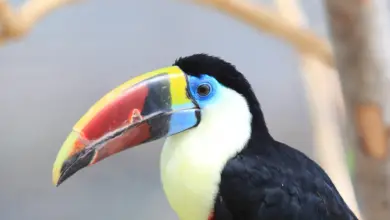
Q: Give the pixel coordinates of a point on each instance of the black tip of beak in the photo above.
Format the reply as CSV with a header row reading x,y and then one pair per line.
x,y
75,163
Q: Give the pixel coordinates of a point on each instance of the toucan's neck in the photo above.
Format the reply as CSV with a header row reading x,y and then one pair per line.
x,y
192,161
259,129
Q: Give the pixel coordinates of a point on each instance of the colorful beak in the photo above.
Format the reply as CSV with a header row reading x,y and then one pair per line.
x,y
148,107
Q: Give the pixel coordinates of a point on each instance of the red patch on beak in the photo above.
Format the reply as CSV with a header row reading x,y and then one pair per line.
x,y
132,137
120,112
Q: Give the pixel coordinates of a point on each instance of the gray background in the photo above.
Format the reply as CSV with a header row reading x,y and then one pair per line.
x,y
77,54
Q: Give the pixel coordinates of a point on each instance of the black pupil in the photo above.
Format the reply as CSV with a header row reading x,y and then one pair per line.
x,y
203,89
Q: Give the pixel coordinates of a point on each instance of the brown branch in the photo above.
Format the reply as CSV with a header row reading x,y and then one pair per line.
x,y
324,98
269,21
352,28
17,23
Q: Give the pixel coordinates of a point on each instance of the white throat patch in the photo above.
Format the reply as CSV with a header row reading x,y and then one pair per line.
x,y
192,161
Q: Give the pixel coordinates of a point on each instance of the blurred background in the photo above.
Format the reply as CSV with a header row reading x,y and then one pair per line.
x,y
77,54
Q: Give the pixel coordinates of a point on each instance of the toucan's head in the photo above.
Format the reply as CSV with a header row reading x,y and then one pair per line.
x,y
162,103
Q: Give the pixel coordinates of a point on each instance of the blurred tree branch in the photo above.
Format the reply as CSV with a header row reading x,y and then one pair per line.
x,y
15,24
266,20
361,75
325,99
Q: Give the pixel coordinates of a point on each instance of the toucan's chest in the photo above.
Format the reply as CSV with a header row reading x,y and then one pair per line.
x,y
192,161
190,179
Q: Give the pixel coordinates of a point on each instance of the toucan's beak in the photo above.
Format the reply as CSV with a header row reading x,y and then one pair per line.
x,y
146,108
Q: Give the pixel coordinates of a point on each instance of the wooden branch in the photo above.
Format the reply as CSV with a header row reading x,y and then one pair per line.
x,y
361,78
323,95
360,74
268,21
17,23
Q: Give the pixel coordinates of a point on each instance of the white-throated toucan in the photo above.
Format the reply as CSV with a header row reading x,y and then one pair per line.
x,y
219,161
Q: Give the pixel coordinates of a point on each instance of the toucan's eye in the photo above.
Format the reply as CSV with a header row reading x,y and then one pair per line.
x,y
203,89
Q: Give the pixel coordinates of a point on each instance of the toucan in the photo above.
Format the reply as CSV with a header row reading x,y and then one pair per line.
x,y
219,160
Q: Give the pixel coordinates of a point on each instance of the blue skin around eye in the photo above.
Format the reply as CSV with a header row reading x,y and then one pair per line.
x,y
183,120
194,82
